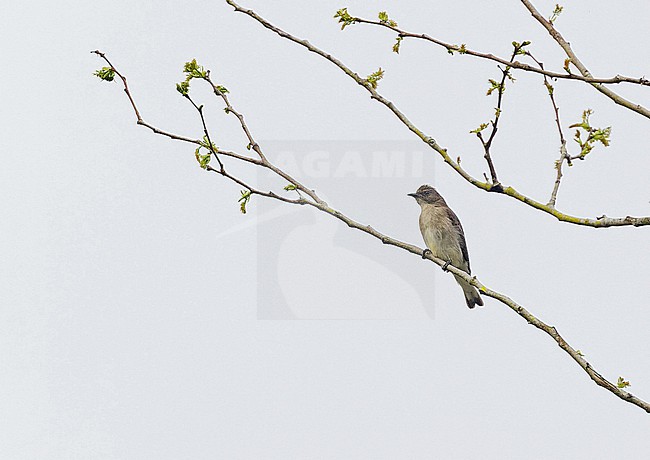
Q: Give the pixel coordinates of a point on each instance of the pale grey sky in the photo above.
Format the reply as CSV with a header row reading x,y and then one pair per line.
x,y
132,288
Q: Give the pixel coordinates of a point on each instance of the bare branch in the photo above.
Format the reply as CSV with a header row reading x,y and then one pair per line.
x,y
173,136
638,108
601,222
558,178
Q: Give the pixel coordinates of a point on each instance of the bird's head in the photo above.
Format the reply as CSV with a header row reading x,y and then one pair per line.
x,y
427,195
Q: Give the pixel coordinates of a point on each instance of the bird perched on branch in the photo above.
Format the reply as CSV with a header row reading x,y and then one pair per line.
x,y
444,236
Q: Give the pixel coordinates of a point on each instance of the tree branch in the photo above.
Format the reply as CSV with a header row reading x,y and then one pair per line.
x,y
210,144
514,306
322,206
229,109
638,108
516,64
501,88
564,155
600,222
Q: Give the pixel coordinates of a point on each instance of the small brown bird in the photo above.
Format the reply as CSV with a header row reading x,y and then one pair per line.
x,y
444,237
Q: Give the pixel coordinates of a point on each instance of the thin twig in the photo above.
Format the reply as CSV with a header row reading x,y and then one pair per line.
x,y
638,108
230,109
173,136
602,222
563,150
211,146
495,123
255,191
126,86
516,64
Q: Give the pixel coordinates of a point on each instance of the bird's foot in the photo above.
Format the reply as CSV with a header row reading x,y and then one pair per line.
x,y
425,252
444,267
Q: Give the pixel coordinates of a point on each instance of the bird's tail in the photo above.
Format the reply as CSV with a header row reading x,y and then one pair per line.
x,y
472,296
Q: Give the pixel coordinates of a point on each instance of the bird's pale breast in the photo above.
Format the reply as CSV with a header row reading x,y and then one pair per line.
x,y
440,235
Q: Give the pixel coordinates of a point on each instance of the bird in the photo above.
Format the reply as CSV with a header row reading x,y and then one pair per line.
x,y
444,237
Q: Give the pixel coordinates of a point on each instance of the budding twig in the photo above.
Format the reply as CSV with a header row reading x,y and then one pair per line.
x,y
501,87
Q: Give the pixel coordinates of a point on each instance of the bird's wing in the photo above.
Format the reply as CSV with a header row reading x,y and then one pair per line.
x,y
455,222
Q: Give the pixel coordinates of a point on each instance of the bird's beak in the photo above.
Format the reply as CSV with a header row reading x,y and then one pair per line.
x,y
414,195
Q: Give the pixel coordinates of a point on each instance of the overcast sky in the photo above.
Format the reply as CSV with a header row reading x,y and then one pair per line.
x,y
142,316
